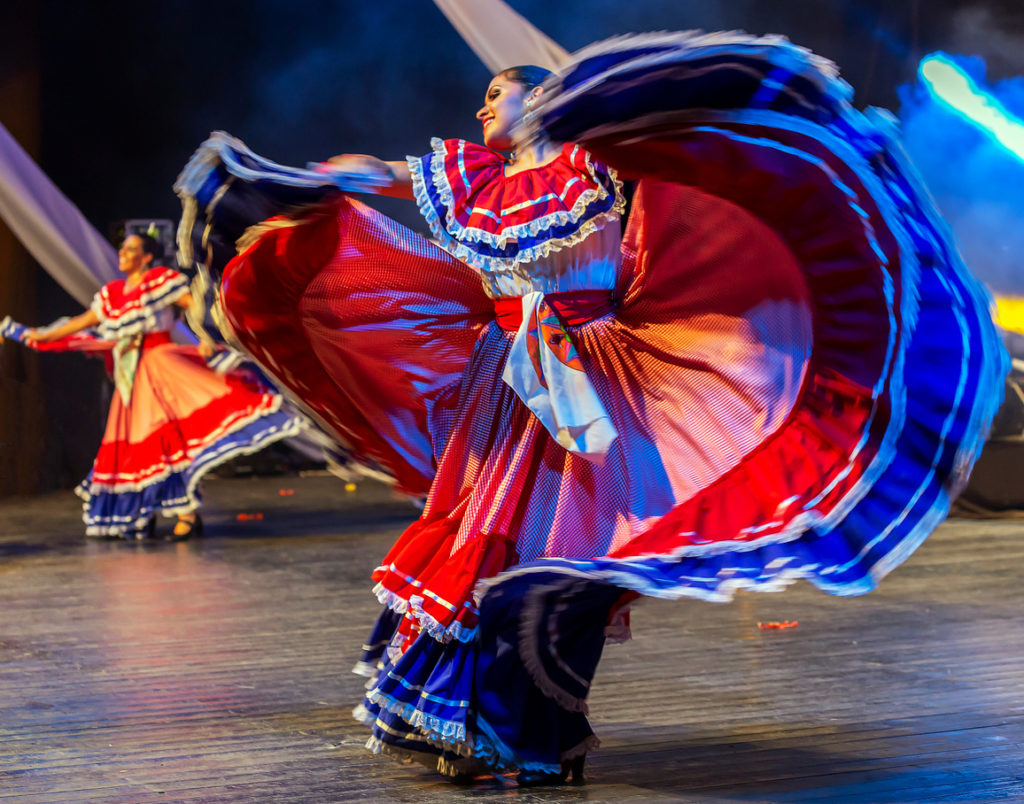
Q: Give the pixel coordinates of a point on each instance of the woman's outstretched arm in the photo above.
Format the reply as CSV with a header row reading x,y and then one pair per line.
x,y
207,346
76,324
394,176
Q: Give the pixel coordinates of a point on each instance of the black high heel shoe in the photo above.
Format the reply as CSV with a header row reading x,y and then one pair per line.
x,y
572,767
195,529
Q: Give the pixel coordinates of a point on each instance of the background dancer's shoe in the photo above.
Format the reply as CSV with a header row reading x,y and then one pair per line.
x,y
195,528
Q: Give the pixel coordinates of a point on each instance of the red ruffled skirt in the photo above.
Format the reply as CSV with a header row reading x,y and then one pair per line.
x,y
397,349
799,368
182,420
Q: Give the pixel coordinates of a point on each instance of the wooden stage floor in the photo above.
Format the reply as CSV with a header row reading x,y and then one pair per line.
x,y
217,670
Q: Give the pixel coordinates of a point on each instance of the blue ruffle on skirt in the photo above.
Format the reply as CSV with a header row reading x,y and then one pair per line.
x,y
107,512
441,701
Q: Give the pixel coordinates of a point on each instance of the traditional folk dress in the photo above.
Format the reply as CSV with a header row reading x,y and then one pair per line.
x,y
171,419
780,370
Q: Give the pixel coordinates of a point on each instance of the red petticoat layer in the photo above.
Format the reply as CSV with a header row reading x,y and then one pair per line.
x,y
383,336
177,409
430,580
369,325
732,429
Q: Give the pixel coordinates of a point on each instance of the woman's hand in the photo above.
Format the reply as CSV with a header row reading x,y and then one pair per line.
x,y
362,164
392,178
207,349
87,319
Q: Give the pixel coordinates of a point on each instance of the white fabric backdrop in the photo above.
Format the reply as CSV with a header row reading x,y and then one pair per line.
x,y
80,259
50,226
500,37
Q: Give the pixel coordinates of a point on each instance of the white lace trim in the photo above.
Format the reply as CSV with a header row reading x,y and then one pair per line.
x,y
427,623
429,759
377,746
452,737
190,502
696,38
366,669
139,315
448,734
529,651
589,743
453,237
689,45
363,715
439,178
489,748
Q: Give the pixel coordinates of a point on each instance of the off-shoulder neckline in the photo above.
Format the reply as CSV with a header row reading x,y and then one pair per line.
x,y
560,155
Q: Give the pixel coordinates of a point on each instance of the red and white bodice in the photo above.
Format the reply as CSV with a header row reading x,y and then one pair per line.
x,y
553,228
144,308
133,317
546,242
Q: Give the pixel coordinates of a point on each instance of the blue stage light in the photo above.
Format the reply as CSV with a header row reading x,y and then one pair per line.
x,y
955,89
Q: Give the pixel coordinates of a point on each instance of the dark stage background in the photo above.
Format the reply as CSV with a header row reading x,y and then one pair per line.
x,y
112,98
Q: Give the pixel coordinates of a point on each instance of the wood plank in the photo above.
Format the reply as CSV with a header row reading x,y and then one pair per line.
x,y
218,670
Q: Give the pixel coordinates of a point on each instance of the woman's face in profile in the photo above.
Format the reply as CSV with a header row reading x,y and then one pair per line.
x,y
131,256
504,106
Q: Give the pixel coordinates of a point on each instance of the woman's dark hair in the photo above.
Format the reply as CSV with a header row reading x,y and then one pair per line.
x,y
527,75
150,245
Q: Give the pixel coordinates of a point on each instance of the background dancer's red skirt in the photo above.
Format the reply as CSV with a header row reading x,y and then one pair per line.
x,y
183,419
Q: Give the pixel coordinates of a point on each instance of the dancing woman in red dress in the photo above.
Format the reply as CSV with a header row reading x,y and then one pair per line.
x,y
781,370
171,418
